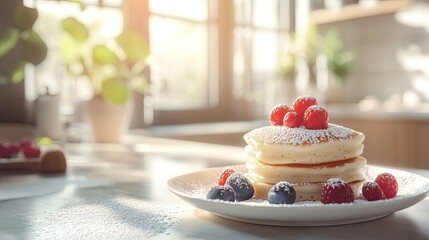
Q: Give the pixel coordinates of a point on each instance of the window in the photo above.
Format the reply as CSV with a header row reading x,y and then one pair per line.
x,y
214,59
210,60
261,31
185,75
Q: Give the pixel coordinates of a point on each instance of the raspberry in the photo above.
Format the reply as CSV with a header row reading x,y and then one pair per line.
x,y
12,147
4,152
31,150
277,114
224,175
336,191
372,191
301,104
25,142
388,184
292,120
316,117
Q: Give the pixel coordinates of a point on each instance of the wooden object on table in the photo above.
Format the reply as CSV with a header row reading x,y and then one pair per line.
x,y
52,160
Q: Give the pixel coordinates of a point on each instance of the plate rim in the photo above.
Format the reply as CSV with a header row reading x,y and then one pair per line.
x,y
392,205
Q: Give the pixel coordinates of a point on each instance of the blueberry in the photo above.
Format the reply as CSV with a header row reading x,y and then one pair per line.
x,y
243,188
225,193
282,193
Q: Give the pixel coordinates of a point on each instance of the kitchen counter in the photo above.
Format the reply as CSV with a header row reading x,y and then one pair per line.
x,y
378,111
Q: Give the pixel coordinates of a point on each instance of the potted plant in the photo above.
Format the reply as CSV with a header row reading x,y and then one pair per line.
x,y
339,61
19,45
114,70
339,64
329,45
21,41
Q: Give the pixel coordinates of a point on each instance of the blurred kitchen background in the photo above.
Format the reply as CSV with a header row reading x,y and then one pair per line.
x,y
214,69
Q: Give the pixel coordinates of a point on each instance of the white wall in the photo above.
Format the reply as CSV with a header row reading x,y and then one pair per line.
x,y
392,58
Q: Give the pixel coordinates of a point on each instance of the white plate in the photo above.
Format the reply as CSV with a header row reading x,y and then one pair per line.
x,y
193,187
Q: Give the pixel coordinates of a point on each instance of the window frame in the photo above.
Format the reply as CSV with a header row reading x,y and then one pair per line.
x,y
220,30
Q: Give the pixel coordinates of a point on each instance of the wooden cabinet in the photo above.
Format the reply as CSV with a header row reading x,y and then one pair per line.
x,y
399,142
355,11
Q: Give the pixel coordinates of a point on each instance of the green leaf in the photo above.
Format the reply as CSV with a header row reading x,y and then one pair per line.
x,y
75,28
102,55
24,17
287,65
332,43
114,91
8,40
134,45
34,48
18,72
69,49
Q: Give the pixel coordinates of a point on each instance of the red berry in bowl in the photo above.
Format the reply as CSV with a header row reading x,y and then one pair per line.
x,y
224,175
301,104
25,142
292,120
277,114
316,117
31,151
12,147
371,191
336,191
388,184
4,153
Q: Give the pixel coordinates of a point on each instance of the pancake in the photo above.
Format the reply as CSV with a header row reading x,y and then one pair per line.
x,y
282,145
349,170
304,191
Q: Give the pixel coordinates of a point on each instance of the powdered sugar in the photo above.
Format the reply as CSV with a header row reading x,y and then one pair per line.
x,y
299,136
335,183
371,185
285,186
30,185
117,218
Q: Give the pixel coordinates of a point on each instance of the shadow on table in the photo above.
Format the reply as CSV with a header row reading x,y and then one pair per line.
x,y
389,227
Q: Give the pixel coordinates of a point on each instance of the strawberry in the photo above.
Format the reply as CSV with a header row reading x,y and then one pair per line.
x,y
224,176
336,191
388,184
371,191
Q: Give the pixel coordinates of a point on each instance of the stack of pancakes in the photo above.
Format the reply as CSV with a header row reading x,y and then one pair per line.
x,y
305,158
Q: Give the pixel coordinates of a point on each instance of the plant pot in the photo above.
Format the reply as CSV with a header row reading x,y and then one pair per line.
x,y
109,122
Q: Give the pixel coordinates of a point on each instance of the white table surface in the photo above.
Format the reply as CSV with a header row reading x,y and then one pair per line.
x,y
135,192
